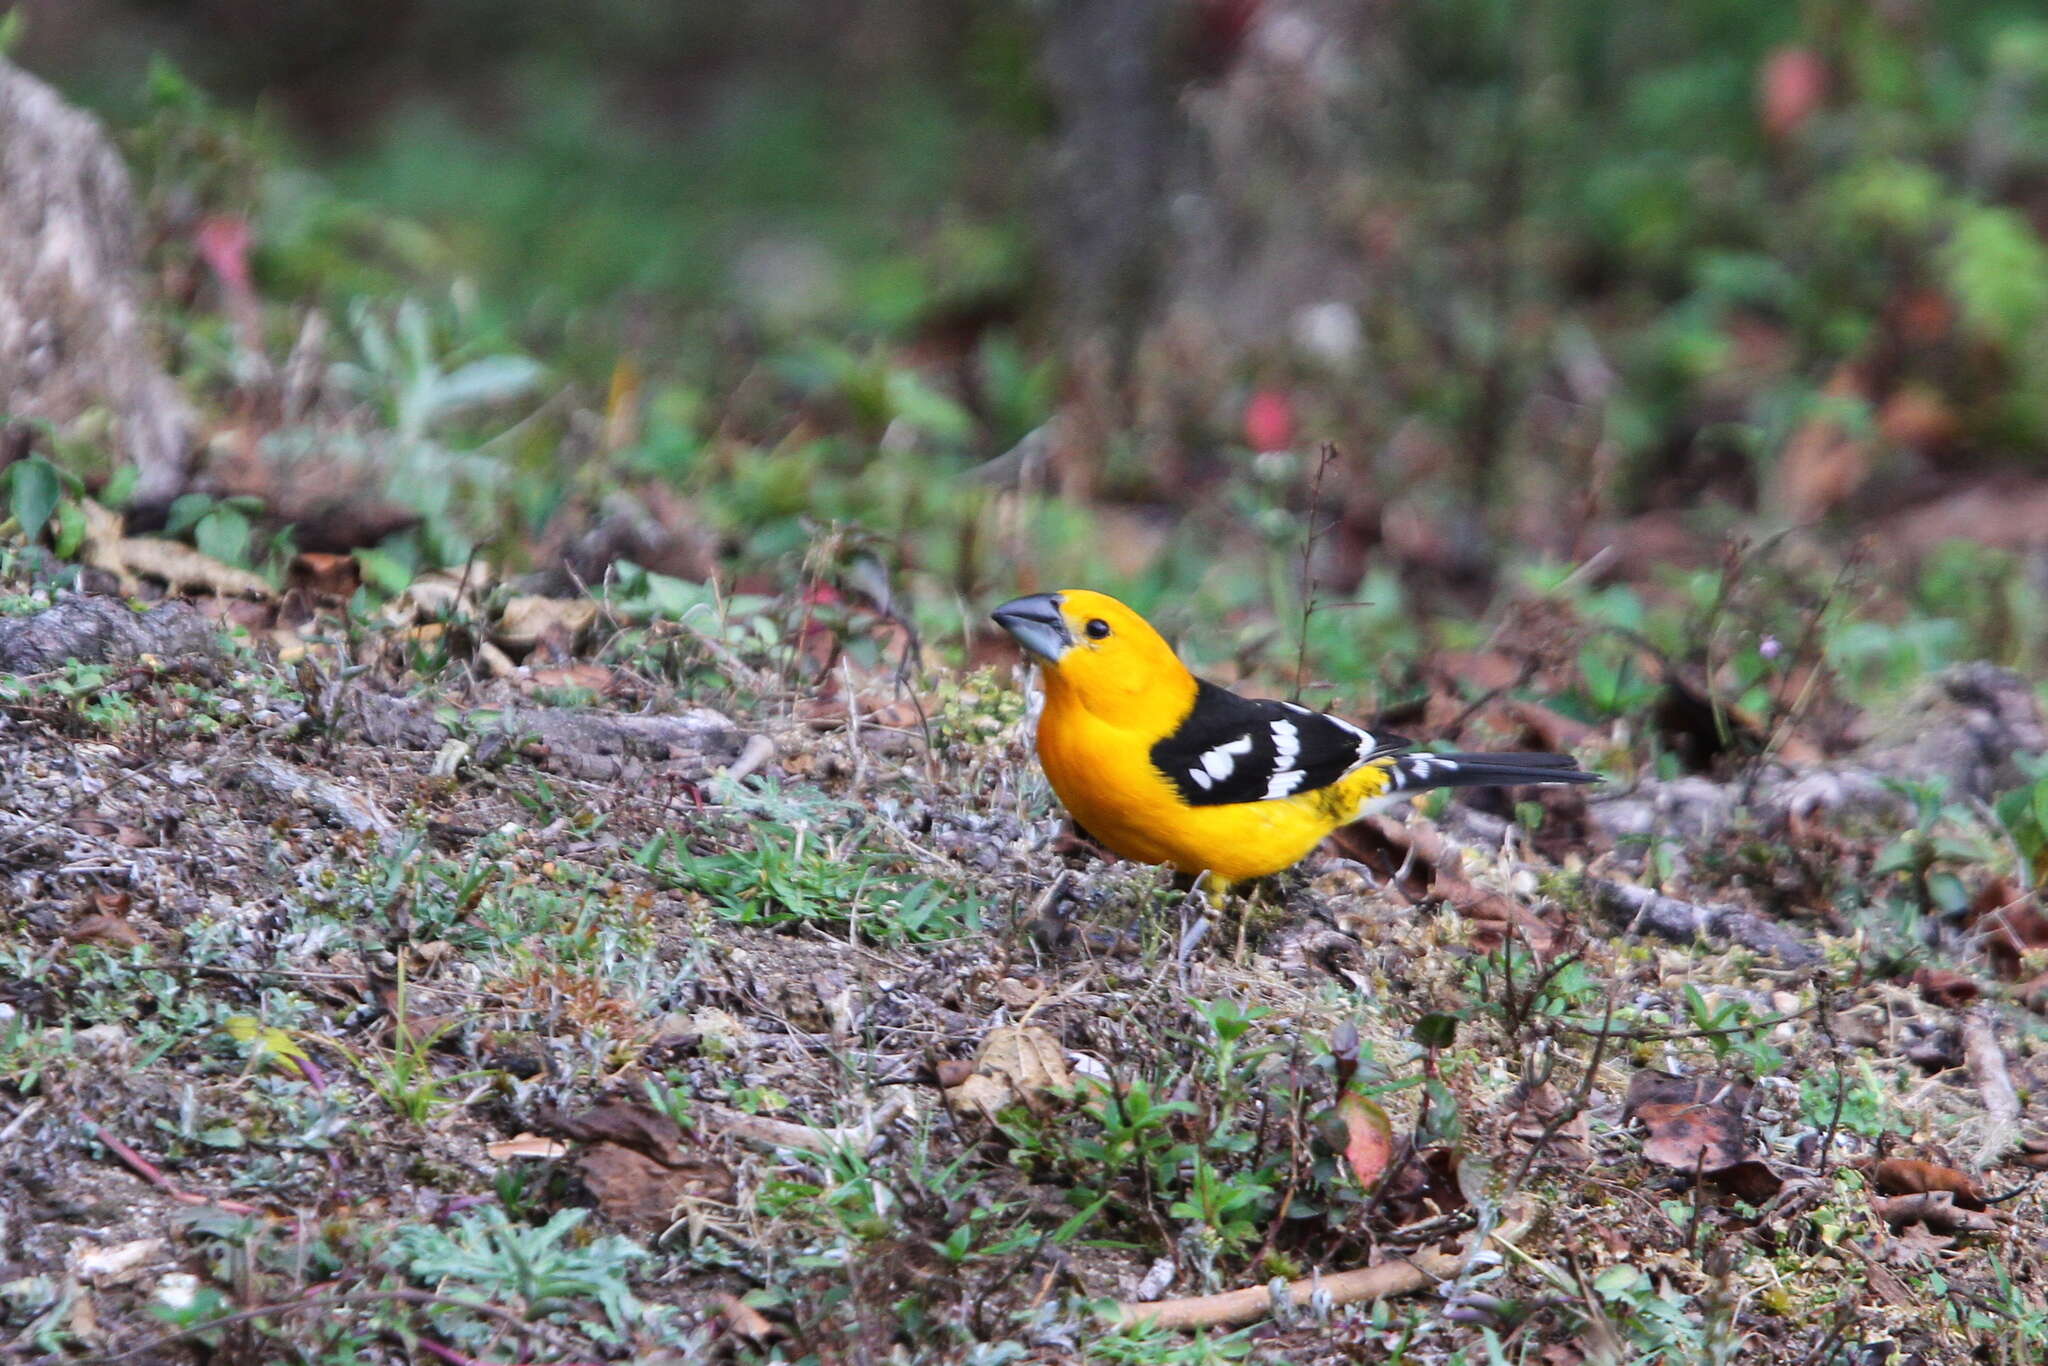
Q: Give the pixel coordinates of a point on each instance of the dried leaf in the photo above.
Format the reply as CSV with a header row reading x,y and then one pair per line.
x,y
1019,992
635,1190
528,620
110,931
628,1125
595,677
326,576
1689,1138
747,1321
1936,1209
1423,866
1537,1108
2033,1152
1944,988
1916,1246
436,595
1752,1181
1016,1063
1368,1138
1909,1176
1651,1086
2012,925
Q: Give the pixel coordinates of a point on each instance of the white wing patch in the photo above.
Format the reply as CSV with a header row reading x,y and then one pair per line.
x,y
1231,749
1286,743
1283,783
1220,762
1286,749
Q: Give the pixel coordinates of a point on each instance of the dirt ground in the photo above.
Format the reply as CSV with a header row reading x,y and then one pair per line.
x,y
348,1014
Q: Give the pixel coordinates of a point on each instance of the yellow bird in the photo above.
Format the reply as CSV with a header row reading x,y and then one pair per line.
x,y
1162,767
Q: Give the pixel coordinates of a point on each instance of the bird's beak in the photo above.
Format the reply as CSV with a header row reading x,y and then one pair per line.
x,y
1037,624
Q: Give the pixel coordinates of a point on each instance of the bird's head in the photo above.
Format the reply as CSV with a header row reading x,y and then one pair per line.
x,y
1101,654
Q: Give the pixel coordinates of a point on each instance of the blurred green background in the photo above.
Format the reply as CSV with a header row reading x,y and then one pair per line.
x,y
1554,278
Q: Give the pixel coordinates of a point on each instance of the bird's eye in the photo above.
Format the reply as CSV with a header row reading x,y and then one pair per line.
x,y
1097,628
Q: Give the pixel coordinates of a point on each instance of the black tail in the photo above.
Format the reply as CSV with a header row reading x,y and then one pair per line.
x,y
1420,771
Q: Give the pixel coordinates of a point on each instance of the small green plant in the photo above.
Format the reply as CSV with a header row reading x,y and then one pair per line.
x,y
1148,1344
1659,1320
1721,1025
404,1076
1929,854
2024,813
537,1272
666,1096
1515,983
1613,682
41,496
1856,1102
223,529
406,1080
786,874
1231,1208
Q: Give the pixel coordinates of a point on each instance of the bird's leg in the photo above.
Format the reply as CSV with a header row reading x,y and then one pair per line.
x,y
1191,936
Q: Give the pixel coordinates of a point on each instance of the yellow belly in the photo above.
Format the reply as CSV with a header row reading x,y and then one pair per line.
x,y
1110,787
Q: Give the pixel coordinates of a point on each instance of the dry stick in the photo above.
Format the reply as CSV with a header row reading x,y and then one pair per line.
x,y
759,750
1680,921
1666,1035
340,804
1405,1277
1327,454
154,1174
1735,559
1579,1101
1986,1061
1784,716
1486,699
1643,908
780,1133
912,648
1294,1111
1827,1029
20,1121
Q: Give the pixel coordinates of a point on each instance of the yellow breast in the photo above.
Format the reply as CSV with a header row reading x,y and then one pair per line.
x,y
1106,780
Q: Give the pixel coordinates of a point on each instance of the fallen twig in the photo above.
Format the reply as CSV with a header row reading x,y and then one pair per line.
x,y
1667,917
20,1121
339,804
1638,1035
154,1174
1418,1271
1986,1061
759,750
780,1133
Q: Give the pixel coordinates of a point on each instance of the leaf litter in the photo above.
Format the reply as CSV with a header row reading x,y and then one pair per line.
x,y
860,1035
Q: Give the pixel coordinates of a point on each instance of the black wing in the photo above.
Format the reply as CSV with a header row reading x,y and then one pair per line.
x,y
1238,749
